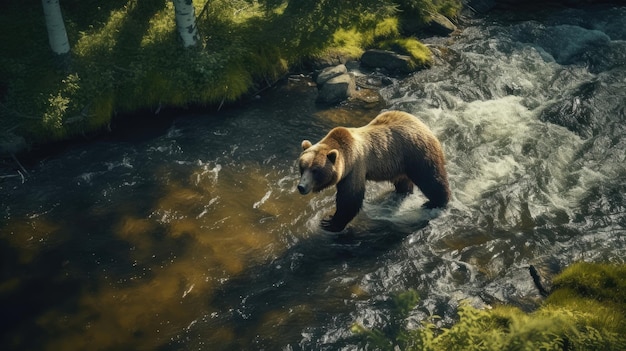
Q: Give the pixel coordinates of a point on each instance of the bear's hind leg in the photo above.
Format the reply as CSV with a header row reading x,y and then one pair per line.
x,y
403,186
438,195
434,186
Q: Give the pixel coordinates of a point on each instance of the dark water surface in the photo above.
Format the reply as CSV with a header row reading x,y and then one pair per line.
x,y
197,238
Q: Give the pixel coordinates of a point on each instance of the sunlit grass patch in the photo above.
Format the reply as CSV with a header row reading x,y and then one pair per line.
x,y
449,8
601,282
419,53
385,34
387,28
348,42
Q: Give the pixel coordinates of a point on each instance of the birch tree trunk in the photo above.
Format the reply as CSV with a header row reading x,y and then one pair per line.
x,y
57,36
186,21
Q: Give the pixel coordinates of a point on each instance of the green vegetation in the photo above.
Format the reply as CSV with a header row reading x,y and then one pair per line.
x,y
126,55
585,311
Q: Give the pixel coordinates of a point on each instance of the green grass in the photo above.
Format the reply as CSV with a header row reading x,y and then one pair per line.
x,y
585,311
126,56
419,53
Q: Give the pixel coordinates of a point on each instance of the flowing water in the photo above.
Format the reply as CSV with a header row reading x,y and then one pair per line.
x,y
196,238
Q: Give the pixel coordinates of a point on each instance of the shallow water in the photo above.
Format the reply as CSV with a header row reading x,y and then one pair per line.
x,y
197,238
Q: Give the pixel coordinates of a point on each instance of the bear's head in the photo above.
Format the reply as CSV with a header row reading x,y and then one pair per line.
x,y
320,167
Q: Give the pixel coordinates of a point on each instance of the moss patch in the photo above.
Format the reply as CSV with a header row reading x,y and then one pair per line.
x,y
586,311
419,53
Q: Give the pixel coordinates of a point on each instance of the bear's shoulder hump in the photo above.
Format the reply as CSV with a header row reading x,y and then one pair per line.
x,y
340,135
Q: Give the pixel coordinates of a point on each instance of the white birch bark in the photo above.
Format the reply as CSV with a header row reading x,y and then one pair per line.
x,y
57,36
186,21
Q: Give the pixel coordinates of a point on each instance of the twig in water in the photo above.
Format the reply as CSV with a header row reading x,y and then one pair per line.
x,y
19,164
21,175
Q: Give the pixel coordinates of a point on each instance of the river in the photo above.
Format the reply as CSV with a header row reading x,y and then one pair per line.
x,y
196,237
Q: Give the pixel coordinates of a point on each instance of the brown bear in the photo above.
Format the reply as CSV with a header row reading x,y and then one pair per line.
x,y
395,146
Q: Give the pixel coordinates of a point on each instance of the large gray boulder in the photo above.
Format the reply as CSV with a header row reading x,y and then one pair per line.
x,y
337,89
329,73
440,25
436,25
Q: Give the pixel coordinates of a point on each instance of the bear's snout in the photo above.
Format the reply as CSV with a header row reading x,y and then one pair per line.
x,y
306,182
303,190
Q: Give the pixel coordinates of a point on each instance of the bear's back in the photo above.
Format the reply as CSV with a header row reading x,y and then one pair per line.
x,y
396,118
396,127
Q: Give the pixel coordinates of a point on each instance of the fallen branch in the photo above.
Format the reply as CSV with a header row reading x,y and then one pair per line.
x,y
21,167
537,280
19,174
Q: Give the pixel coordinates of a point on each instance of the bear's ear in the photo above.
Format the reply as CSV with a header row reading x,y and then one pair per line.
x,y
332,155
306,144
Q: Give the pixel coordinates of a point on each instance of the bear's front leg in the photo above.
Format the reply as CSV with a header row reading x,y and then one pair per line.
x,y
349,200
332,226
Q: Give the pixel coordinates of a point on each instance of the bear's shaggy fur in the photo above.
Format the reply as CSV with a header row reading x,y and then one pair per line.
x,y
395,146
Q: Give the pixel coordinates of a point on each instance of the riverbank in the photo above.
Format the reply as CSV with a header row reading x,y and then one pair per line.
x,y
126,58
